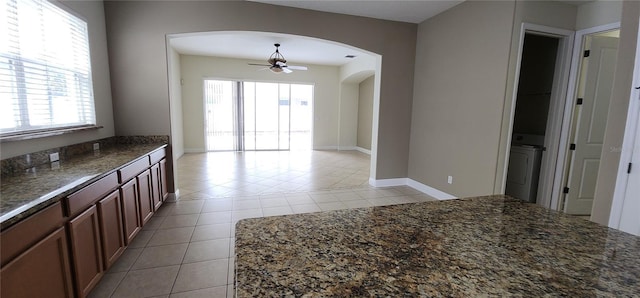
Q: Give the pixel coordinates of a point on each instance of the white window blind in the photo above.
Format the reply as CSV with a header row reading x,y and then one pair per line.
x,y
45,71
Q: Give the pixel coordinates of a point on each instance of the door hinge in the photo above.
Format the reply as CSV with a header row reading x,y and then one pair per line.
x,y
629,168
586,53
572,147
565,190
579,101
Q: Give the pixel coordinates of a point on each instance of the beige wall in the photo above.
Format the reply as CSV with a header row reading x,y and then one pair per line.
x,y
460,75
175,89
616,119
365,113
92,12
351,74
359,69
464,80
195,68
137,30
348,125
598,13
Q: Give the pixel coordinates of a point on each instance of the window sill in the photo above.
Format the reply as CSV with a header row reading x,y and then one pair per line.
x,y
47,133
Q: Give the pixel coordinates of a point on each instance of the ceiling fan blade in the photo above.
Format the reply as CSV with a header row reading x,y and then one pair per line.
x,y
296,67
258,64
286,70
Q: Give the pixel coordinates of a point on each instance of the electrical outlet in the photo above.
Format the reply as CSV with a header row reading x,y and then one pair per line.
x,y
450,179
54,157
96,146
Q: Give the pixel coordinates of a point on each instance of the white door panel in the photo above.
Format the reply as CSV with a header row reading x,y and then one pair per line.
x,y
630,218
591,125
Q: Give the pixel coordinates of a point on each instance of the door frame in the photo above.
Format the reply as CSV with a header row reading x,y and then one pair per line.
x,y
628,145
555,119
563,152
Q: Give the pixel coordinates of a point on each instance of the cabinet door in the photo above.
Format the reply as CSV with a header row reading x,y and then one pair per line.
x,y
131,216
164,193
145,193
111,230
41,271
86,250
156,188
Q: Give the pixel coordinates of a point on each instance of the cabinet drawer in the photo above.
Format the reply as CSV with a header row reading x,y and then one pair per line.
x,y
81,199
133,169
41,271
26,233
157,155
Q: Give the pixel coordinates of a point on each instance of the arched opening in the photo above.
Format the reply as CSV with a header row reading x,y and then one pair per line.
x,y
232,55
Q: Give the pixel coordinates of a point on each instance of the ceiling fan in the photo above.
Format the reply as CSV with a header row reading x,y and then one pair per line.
x,y
278,64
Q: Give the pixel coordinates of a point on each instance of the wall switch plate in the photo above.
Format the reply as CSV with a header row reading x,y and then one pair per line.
x,y
54,157
450,179
96,146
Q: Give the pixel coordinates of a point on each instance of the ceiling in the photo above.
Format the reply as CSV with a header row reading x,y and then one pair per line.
x,y
259,46
413,11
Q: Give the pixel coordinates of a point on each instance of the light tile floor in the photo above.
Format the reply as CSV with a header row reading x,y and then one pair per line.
x,y
187,248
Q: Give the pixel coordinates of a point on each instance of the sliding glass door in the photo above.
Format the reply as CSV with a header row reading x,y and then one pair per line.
x,y
257,115
301,120
220,107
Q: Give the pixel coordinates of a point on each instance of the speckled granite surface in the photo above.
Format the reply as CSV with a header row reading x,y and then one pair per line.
x,y
24,192
474,247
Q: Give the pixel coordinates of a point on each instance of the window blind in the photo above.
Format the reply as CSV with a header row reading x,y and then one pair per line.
x,y
45,70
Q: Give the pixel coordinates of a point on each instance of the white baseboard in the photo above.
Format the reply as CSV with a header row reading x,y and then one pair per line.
x,y
438,194
428,190
192,150
346,148
325,148
365,151
387,182
173,196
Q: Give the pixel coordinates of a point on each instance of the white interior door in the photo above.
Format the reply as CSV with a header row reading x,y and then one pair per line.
x,y
629,219
590,124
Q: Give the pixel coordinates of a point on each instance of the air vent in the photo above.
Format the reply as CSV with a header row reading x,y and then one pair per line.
x,y
350,56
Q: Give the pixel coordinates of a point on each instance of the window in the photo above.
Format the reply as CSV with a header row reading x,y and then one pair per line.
x,y
45,71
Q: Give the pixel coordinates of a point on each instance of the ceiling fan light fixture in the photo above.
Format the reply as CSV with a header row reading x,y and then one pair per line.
x,y
277,63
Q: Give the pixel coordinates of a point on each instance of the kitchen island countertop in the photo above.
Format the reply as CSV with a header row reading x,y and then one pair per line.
x,y
492,246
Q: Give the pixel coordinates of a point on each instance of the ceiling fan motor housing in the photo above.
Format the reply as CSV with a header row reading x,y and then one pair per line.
x,y
274,60
278,64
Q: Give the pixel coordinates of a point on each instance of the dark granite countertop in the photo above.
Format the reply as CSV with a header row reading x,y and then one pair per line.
x,y
492,246
26,192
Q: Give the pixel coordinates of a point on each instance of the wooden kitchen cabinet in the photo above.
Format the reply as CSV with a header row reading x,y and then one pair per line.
x,y
163,179
41,271
156,187
86,250
159,175
131,217
145,196
111,228
64,249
